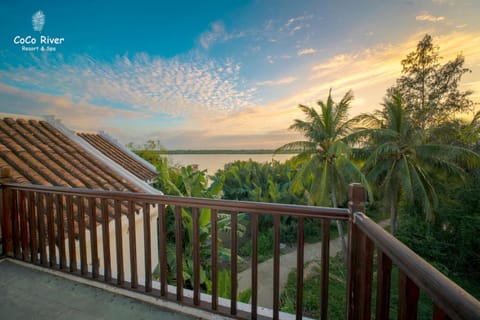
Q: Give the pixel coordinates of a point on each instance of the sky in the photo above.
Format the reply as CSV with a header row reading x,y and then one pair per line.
x,y
220,74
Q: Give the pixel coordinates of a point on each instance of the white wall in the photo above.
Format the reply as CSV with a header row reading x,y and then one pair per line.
x,y
139,235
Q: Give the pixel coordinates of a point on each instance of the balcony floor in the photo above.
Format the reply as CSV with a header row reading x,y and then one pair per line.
x,y
26,293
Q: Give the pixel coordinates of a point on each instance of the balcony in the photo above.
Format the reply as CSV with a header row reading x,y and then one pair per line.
x,y
117,239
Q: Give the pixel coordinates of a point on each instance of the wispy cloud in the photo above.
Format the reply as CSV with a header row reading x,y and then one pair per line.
x,y
425,16
209,37
297,23
442,2
306,51
277,82
217,33
335,62
272,59
146,83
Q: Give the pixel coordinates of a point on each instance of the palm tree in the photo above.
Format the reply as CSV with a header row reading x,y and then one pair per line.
x,y
401,162
327,168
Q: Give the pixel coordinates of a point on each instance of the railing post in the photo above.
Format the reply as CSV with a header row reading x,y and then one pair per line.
x,y
6,213
356,195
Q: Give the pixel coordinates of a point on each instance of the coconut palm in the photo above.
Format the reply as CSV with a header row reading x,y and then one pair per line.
x,y
327,168
402,163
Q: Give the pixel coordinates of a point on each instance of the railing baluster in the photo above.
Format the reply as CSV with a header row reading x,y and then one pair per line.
x,y
384,274
300,245
15,225
148,247
196,256
92,217
7,232
214,240
438,313
81,231
276,266
23,225
408,295
366,272
254,265
107,269
325,268
179,253
233,264
71,235
51,230
41,229
61,231
119,242
133,245
32,217
162,247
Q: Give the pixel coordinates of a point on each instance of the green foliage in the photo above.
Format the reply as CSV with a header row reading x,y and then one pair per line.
x,y
245,295
150,151
311,291
327,168
263,182
399,161
265,247
224,284
431,90
454,233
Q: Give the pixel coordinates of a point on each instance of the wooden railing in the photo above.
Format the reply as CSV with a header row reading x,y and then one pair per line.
x,y
48,226
52,227
449,301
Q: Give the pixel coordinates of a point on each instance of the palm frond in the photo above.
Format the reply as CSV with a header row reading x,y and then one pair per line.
x,y
301,146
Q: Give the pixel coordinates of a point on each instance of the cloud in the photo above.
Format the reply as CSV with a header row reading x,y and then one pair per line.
x,y
277,82
334,62
306,51
150,84
442,2
217,33
209,37
297,23
76,114
428,17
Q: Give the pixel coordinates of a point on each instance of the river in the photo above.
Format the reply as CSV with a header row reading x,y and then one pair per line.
x,y
213,162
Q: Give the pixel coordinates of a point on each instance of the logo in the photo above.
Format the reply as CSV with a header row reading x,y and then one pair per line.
x,y
38,21
43,43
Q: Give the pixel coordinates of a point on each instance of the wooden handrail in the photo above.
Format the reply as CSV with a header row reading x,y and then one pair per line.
x,y
452,299
227,205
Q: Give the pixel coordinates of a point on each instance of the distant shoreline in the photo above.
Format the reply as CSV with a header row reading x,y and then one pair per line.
x,y
222,151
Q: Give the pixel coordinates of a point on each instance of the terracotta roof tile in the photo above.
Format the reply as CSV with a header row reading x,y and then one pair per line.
x,y
38,153
115,153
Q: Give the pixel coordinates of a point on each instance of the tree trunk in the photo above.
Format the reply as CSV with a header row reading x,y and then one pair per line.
x,y
339,223
393,215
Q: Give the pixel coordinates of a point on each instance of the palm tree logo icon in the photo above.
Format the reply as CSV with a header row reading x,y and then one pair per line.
x,y
38,21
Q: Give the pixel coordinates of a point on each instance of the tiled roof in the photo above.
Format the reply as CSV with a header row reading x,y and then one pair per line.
x,y
121,157
38,153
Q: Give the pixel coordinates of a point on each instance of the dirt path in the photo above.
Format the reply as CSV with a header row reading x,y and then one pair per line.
x,y
312,251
